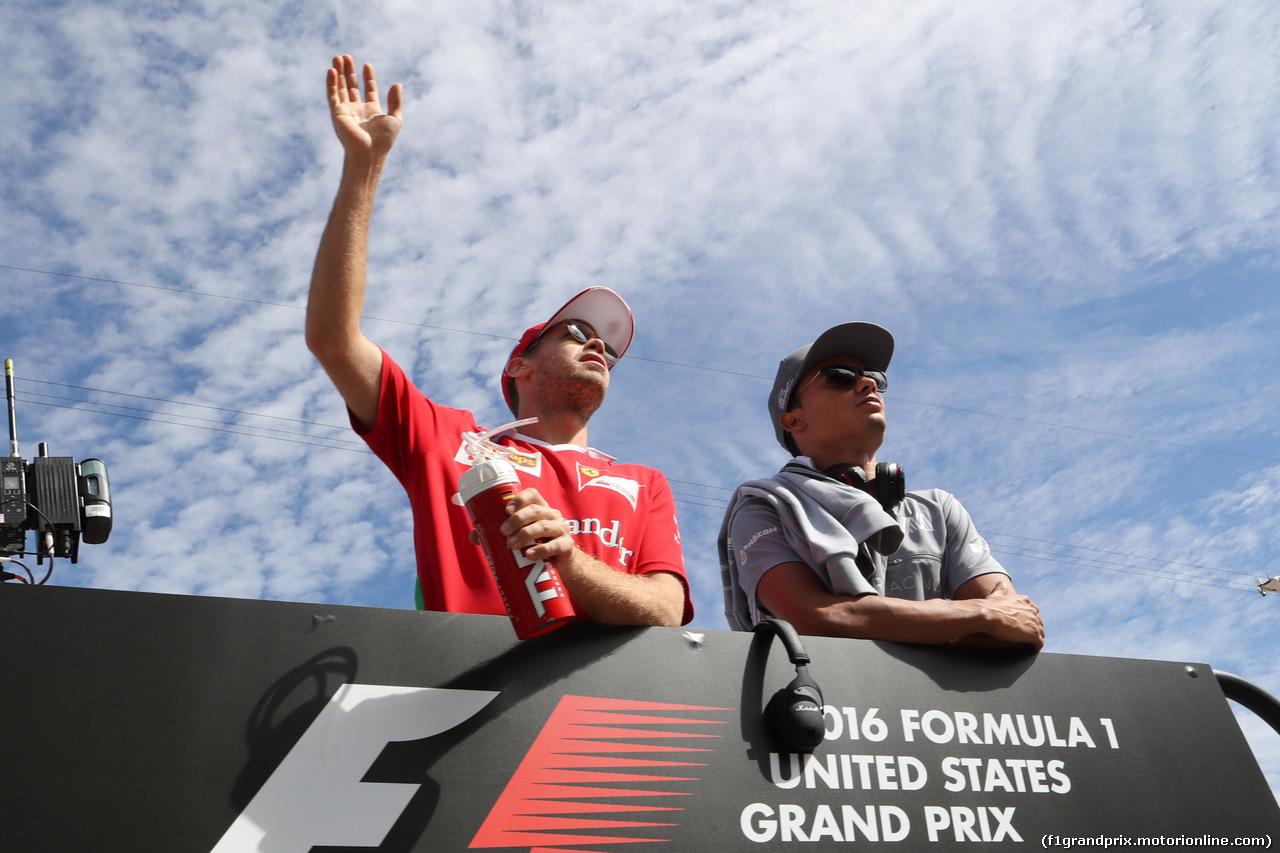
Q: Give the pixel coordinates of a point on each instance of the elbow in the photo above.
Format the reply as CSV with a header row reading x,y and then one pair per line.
x,y
328,334
670,619
330,347
667,604
319,341
663,615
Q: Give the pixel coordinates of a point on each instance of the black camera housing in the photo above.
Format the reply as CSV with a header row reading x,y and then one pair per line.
x,y
53,495
61,500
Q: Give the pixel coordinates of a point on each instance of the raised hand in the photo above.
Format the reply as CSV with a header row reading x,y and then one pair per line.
x,y
361,124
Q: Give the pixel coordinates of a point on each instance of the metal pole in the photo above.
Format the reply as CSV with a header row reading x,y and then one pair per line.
x,y
13,416
1251,696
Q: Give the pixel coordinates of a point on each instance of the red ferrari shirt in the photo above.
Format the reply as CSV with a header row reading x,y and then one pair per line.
x,y
623,515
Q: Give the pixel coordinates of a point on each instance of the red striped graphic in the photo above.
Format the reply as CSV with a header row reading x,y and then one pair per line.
x,y
596,763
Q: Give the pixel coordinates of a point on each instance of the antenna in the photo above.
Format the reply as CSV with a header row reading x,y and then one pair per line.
x,y
13,415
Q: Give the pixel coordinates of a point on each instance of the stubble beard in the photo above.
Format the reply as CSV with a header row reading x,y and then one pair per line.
x,y
877,427
577,393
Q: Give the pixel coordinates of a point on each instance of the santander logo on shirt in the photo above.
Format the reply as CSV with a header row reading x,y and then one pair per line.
x,y
610,535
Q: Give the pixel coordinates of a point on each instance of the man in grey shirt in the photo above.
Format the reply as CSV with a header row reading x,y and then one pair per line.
x,y
834,545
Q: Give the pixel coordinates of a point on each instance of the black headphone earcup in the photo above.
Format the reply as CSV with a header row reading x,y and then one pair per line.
x,y
891,485
795,714
849,474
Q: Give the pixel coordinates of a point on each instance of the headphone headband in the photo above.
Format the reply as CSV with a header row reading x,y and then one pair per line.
x,y
795,712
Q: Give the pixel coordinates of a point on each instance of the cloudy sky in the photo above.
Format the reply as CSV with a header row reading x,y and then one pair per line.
x,y
1065,211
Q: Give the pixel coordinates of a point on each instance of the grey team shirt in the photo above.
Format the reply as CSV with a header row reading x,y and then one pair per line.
x,y
940,551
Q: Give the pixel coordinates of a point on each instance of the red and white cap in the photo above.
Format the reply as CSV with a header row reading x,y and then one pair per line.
x,y
604,310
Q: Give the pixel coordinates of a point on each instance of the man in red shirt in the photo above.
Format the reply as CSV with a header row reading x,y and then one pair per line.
x,y
609,528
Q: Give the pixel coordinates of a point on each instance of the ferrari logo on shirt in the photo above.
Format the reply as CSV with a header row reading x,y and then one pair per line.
x,y
588,476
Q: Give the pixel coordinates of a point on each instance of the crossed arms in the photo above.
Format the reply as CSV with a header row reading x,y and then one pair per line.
x,y
986,611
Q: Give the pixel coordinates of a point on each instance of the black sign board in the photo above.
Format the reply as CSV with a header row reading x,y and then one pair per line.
x,y
150,722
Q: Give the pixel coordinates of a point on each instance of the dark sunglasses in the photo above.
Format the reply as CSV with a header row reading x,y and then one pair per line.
x,y
843,377
583,333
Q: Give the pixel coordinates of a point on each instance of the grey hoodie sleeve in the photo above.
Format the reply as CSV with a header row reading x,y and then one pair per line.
x,y
797,518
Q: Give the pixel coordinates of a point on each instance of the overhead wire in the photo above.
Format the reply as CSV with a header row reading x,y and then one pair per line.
x,y
681,497
186,417
186,403
636,357
153,419
1110,566
1122,554
704,501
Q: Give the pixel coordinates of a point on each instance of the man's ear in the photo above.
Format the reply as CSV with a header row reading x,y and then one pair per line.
x,y
518,366
792,422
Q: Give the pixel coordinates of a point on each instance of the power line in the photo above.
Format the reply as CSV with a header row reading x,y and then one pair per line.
x,y
26,399
154,419
182,403
1121,554
704,501
679,497
1126,570
634,357
700,485
689,499
211,295
682,497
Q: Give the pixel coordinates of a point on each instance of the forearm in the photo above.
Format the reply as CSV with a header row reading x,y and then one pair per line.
x,y
792,592
336,298
616,598
875,617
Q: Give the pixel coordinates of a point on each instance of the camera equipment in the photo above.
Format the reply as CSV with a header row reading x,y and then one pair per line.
x,y
60,500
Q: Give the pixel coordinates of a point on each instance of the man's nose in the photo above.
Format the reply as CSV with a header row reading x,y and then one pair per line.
x,y
865,385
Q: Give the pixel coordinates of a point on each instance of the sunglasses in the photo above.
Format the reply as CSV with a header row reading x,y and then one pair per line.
x,y
843,377
583,333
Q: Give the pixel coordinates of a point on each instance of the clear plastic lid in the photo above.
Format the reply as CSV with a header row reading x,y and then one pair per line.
x,y
485,474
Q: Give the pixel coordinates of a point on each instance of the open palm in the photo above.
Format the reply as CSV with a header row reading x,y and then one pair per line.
x,y
361,123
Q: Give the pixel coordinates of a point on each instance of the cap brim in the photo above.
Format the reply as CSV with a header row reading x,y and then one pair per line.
x,y
606,311
868,343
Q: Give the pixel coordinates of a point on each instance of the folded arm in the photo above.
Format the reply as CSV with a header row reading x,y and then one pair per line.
x,y
986,612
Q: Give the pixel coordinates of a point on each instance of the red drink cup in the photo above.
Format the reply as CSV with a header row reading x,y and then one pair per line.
x,y
536,599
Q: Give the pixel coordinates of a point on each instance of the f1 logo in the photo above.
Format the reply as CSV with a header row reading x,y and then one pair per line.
x,y
315,797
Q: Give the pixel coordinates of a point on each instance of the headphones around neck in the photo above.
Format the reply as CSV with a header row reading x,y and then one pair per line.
x,y
889,486
794,714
